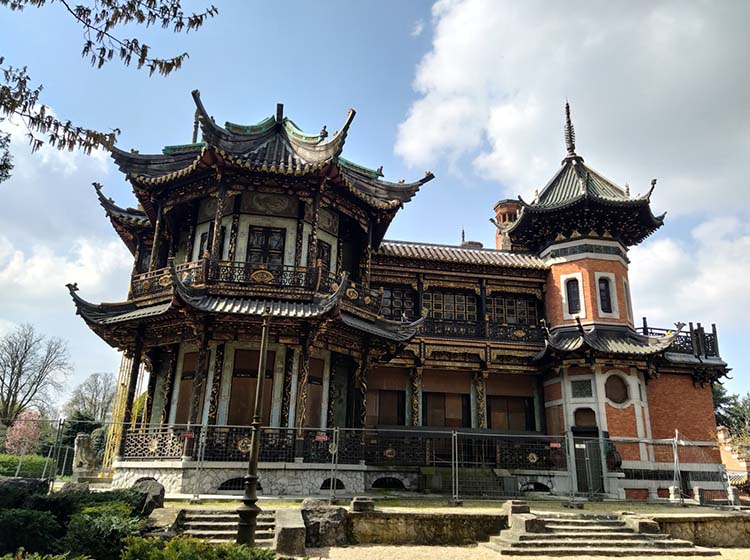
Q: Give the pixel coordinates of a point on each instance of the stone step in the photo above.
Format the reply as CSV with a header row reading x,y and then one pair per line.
x,y
618,543
223,534
225,525
624,534
589,528
566,515
259,543
224,518
585,522
603,551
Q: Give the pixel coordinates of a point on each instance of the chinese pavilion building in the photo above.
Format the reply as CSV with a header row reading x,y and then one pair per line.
x,y
381,351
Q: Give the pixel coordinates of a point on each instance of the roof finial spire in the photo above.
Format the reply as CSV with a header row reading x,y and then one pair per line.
x,y
570,133
463,235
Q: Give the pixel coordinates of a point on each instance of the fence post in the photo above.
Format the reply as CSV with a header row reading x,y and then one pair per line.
x,y
454,466
58,441
572,467
333,449
677,479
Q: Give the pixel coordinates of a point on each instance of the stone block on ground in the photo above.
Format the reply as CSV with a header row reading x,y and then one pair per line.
x,y
515,506
75,487
641,524
361,504
290,533
326,525
26,485
153,495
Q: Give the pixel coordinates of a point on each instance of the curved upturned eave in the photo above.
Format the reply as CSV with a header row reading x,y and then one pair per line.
x,y
153,165
312,149
128,217
383,195
96,312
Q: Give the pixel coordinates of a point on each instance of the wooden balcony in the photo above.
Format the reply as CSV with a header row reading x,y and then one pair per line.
x,y
482,330
250,279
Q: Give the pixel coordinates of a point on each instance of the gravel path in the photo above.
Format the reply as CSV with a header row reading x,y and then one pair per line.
x,y
375,552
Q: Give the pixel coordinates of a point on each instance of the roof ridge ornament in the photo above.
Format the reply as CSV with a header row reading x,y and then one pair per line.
x,y
570,133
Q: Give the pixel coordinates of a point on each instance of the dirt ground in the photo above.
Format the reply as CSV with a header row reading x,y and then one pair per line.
x,y
375,552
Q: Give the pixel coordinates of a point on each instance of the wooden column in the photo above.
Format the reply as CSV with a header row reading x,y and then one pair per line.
x,y
157,239
365,260
213,401
416,396
155,358
199,381
216,242
286,398
312,249
480,386
130,397
235,230
300,233
302,389
169,384
191,231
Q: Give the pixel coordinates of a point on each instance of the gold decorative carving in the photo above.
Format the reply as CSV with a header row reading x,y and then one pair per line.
x,y
367,300
244,445
261,277
146,285
351,293
515,290
519,333
428,283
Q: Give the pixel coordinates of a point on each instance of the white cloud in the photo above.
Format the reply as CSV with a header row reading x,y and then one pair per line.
x,y
657,90
418,28
703,278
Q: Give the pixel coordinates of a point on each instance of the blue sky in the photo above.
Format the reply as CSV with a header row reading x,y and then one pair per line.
x,y
471,90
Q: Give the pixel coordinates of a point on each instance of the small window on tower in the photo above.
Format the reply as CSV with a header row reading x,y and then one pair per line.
x,y
605,295
574,298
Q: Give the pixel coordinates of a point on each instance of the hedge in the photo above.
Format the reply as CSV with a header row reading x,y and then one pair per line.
x,y
189,549
35,531
32,466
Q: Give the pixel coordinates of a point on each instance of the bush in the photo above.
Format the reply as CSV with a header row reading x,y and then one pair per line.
x,y
35,531
119,508
32,466
99,535
63,505
23,555
182,548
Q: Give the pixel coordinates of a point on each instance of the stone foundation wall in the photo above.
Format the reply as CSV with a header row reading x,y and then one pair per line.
x,y
289,479
412,528
717,531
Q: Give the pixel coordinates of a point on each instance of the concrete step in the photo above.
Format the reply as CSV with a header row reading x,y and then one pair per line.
x,y
259,543
590,535
585,522
225,525
575,550
201,518
565,515
588,528
619,543
223,534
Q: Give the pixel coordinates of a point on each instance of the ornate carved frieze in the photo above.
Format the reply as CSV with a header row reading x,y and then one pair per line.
x,y
480,384
416,390
450,284
168,386
286,398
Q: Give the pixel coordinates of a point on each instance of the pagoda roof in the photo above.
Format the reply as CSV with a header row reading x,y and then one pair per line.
x,y
605,339
274,145
451,253
128,222
398,331
578,198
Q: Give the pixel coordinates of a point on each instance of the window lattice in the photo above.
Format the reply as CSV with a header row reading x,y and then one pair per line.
x,y
512,311
451,307
581,388
397,301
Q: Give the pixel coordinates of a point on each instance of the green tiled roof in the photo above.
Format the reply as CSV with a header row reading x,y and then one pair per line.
x,y
576,180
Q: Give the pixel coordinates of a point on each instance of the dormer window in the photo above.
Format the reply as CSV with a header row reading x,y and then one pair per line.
x,y
605,295
572,290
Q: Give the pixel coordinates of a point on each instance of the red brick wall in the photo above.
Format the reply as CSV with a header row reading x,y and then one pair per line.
x,y
662,492
554,417
587,267
552,392
674,403
636,493
621,421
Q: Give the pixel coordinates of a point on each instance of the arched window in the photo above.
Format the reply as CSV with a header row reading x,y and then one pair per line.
x,y
605,295
584,417
574,298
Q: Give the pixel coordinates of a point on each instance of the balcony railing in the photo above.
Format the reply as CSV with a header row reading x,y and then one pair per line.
x,y
251,274
695,341
475,330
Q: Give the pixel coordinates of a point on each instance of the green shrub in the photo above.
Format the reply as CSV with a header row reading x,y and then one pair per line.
x,y
32,466
23,555
99,535
183,548
35,531
120,508
65,504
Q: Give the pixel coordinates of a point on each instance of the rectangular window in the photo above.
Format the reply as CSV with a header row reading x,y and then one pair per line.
x,y
451,306
244,383
206,239
446,410
398,301
313,412
265,246
185,394
515,414
391,408
324,254
581,388
508,310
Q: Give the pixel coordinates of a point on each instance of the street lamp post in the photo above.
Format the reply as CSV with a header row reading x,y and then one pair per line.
x,y
249,509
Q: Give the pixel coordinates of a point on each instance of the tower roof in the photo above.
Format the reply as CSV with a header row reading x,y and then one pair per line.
x,y
579,200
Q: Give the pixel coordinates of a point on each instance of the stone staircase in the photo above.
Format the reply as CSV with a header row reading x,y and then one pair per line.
x,y
570,534
220,526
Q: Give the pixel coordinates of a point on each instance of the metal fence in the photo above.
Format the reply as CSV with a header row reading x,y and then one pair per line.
x,y
460,464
